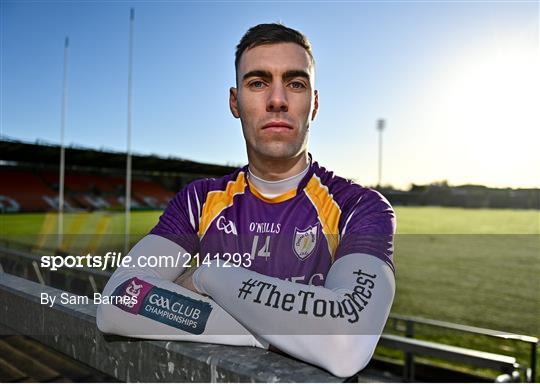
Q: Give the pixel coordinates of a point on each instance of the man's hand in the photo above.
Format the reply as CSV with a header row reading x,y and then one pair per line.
x,y
186,280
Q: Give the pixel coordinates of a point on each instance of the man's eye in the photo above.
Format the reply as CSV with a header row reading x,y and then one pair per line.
x,y
297,85
256,84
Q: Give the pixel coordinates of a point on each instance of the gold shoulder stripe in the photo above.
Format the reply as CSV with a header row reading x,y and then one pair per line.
x,y
327,210
217,201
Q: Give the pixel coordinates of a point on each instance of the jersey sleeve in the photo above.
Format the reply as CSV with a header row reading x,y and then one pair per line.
x,y
180,220
368,227
345,317
152,306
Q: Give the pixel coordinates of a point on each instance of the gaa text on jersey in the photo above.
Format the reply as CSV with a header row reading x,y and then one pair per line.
x,y
226,226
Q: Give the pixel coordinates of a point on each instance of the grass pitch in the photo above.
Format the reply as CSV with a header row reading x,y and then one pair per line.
x,y
411,220
441,220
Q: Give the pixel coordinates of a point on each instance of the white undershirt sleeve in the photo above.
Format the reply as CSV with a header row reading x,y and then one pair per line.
x,y
336,327
168,317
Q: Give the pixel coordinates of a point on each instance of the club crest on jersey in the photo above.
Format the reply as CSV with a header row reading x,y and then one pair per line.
x,y
304,241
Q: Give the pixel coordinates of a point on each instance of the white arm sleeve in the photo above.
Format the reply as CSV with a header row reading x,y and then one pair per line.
x,y
167,315
336,327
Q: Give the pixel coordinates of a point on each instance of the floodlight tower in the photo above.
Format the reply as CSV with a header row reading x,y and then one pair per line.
x,y
127,202
380,128
62,147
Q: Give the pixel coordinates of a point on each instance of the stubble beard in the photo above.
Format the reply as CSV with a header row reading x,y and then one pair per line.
x,y
278,148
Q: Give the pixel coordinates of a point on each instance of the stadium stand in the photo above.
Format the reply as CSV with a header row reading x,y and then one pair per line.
x,y
84,159
94,180
22,190
147,192
80,182
114,202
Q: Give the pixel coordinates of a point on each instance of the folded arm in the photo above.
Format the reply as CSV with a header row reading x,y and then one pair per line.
x,y
336,327
165,310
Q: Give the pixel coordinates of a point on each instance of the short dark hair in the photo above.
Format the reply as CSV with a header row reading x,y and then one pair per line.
x,y
272,33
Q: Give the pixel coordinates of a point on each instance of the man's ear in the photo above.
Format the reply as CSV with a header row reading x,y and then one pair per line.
x,y
233,102
315,106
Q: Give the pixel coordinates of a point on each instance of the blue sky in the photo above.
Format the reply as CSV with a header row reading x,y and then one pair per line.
x,y
457,82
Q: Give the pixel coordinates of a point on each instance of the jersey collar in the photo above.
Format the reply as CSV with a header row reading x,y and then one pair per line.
x,y
286,195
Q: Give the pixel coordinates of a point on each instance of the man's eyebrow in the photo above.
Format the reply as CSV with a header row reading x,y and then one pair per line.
x,y
267,75
296,73
257,73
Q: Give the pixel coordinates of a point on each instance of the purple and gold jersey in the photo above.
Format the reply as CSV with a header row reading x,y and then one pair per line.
x,y
295,236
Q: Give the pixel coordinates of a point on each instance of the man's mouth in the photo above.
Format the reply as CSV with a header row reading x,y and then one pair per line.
x,y
277,126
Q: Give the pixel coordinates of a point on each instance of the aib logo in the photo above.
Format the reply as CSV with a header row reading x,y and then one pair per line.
x,y
226,226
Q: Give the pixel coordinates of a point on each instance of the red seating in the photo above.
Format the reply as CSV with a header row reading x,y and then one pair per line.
x,y
145,188
25,189
114,202
149,192
80,182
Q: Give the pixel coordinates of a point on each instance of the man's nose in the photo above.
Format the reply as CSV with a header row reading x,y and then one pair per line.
x,y
277,99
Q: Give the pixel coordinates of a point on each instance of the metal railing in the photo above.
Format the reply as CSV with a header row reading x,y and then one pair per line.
x,y
409,323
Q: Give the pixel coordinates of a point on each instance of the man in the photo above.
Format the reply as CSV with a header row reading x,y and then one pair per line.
x,y
290,255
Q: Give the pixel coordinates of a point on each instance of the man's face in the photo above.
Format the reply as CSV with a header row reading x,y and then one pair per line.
x,y
275,99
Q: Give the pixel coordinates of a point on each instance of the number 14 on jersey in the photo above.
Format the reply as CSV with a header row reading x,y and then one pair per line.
x,y
264,250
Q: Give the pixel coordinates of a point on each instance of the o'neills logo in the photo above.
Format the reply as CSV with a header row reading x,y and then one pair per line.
x,y
304,241
265,227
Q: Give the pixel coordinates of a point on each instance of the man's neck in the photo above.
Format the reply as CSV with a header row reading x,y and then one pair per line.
x,y
277,169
